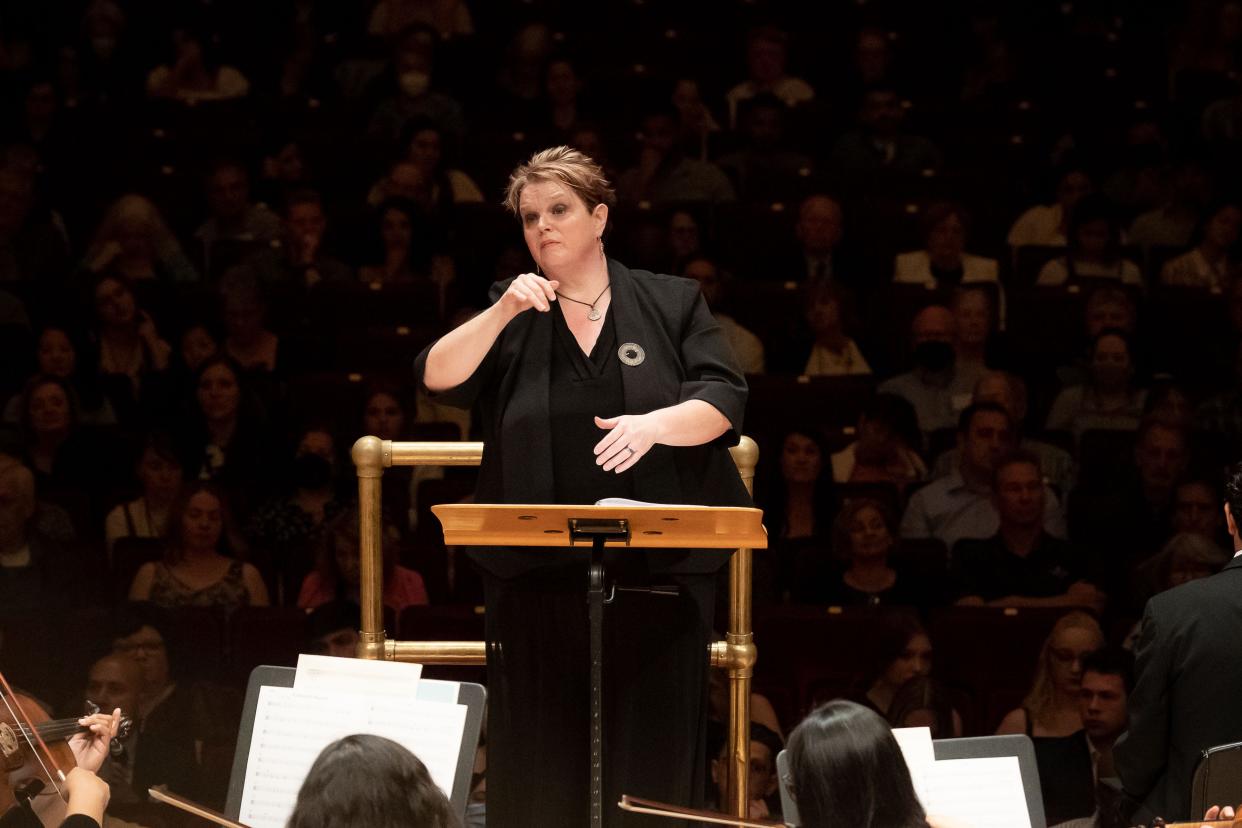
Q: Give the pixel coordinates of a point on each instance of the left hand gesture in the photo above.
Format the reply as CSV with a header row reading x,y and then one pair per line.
x,y
629,437
91,748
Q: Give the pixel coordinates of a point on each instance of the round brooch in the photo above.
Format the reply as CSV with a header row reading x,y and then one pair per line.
x,y
631,353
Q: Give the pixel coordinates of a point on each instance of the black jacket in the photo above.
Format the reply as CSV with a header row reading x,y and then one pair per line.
x,y
1188,683
686,357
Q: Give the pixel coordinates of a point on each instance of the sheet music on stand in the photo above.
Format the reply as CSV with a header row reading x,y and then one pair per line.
x,y
289,720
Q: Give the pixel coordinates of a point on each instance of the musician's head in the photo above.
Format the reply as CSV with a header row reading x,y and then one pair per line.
x,y
846,769
115,681
370,781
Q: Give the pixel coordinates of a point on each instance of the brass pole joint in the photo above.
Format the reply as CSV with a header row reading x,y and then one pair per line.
x,y
371,455
737,654
371,645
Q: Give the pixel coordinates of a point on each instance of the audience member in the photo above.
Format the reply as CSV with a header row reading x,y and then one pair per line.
x,y
943,261
336,574
929,385
899,651
233,217
819,229
198,569
766,63
863,540
199,343
130,348
248,340
1022,565
664,175
887,433
1093,248
1213,263
833,352
1110,400
1173,223
962,505
133,242
765,169
408,90
685,238
746,346
407,247
302,260
1196,509
1048,224
194,72
67,462
924,702
879,142
284,533
159,472
798,504
1052,716
696,122
332,629
974,321
56,355
1009,391
36,571
763,782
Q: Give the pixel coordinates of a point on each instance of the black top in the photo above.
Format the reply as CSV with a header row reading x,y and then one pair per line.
x,y
1066,774
988,569
580,388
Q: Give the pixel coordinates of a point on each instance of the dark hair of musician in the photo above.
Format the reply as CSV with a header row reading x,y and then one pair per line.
x,y
370,781
847,769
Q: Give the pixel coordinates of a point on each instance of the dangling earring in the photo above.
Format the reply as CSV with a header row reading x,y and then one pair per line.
x,y
601,248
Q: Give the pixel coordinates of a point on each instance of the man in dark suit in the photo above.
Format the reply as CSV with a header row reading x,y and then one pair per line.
x,y
1188,682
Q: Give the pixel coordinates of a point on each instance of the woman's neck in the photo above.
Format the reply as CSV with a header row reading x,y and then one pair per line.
x,y
196,555
579,280
221,431
834,340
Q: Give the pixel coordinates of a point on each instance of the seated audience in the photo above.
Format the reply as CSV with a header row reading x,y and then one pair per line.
x,y
1213,263
162,747
1048,224
664,175
1110,399
696,123
1187,556
194,72
248,340
1173,223
924,702
1051,715
1128,519
337,572
284,533
36,571
863,539
233,217
131,351
846,768
1094,249
929,385
332,629
819,230
199,343
1196,509
408,89
766,59
197,569
974,320
900,651
1107,679
962,505
879,143
134,243
763,784
1022,565
373,780
943,261
67,461
798,502
436,187
304,258
833,352
407,249
888,432
159,472
1009,391
56,355
745,345
766,168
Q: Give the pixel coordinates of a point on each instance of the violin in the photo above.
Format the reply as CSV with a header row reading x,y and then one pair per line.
x,y
34,748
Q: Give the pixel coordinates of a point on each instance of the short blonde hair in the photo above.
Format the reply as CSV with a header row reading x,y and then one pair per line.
x,y
563,165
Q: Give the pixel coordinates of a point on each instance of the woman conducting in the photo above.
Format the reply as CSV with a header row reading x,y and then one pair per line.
x,y
592,380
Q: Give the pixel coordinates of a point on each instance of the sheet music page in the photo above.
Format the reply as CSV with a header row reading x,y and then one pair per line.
x,y
979,793
292,727
327,674
916,747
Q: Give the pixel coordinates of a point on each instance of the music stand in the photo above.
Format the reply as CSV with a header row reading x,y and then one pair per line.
x,y
652,526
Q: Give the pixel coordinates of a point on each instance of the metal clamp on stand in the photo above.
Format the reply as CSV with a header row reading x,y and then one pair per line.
x,y
598,532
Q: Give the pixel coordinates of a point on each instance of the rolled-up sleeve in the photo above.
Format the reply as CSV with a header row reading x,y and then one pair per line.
x,y
711,371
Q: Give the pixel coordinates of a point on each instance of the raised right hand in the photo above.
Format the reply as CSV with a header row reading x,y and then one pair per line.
x,y
529,291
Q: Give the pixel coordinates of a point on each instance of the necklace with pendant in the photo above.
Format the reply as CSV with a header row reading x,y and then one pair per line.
x,y
593,314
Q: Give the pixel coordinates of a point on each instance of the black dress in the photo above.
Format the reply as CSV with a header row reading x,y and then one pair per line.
x,y
534,398
655,646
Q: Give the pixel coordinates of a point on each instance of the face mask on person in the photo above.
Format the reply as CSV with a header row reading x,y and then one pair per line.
x,y
310,471
414,84
933,356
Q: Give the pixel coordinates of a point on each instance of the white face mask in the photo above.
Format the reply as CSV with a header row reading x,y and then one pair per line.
x,y
414,84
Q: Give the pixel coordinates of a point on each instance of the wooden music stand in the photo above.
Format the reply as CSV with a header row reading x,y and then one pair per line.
x,y
642,526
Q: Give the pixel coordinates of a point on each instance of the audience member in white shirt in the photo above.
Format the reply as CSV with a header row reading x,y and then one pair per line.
x,y
1094,248
766,57
833,353
1046,224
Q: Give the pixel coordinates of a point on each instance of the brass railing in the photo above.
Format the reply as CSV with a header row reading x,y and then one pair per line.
x,y
736,654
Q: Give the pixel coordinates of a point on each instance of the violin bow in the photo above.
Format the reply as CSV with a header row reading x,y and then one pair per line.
x,y
29,730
